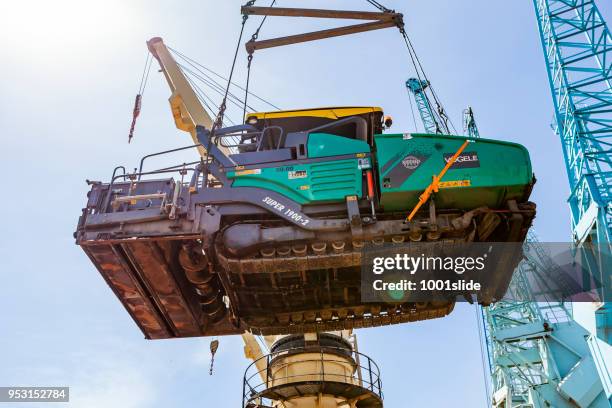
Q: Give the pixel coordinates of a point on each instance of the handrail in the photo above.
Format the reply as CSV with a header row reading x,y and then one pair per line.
x,y
369,369
124,175
162,153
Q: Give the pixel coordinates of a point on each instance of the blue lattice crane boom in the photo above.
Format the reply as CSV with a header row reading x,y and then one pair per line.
x,y
433,121
469,123
578,53
538,354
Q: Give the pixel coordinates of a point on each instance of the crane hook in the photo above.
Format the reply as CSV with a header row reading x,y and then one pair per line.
x,y
214,345
137,106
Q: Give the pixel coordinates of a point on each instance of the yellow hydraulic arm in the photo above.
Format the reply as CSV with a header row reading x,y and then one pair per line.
x,y
186,108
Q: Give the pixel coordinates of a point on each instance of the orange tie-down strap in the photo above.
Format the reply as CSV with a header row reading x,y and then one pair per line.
x,y
435,184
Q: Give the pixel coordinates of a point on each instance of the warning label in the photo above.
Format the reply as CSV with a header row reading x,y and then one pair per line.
x,y
455,183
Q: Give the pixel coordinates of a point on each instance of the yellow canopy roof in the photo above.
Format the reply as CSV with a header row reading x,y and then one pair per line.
x,y
330,112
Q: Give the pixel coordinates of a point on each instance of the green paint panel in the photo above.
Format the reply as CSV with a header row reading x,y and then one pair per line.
x,y
328,181
313,183
488,173
325,145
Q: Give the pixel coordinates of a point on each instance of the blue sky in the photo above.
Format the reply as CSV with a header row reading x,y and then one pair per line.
x,y
68,76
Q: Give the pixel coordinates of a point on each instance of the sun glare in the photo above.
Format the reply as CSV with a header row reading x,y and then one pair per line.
x,y
36,28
